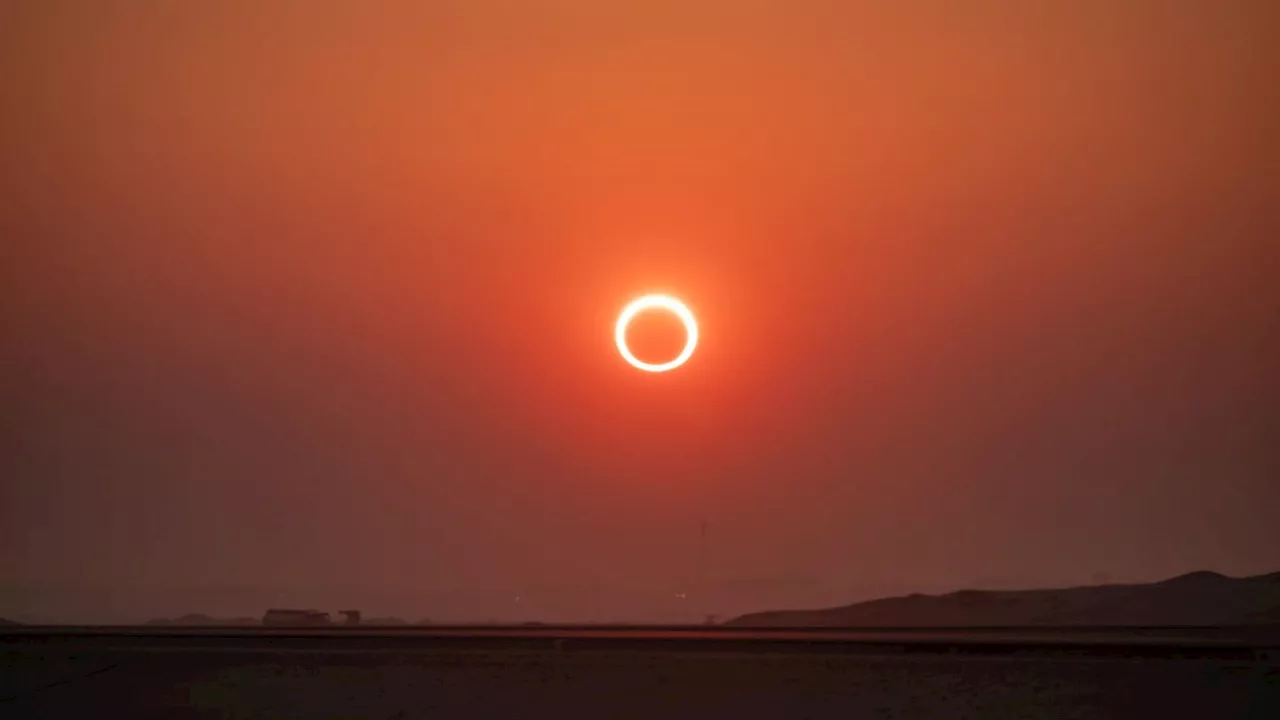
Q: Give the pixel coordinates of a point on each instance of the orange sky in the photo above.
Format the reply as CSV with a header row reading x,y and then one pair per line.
x,y
985,292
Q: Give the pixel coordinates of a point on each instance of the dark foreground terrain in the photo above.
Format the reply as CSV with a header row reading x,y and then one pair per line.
x,y
566,673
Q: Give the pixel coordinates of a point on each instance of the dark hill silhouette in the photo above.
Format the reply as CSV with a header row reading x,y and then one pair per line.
x,y
10,623
1198,598
196,619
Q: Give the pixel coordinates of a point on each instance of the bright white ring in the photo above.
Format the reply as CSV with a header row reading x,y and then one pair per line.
x,y
661,302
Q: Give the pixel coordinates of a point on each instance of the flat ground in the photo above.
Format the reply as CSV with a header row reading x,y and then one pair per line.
x,y
55,681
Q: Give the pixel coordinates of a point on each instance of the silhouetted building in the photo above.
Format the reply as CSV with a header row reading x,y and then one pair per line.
x,y
351,617
278,616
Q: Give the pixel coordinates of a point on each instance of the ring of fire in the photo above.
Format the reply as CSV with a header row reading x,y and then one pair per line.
x,y
659,302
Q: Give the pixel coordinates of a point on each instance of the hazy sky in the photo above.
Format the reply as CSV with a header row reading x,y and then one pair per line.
x,y
311,302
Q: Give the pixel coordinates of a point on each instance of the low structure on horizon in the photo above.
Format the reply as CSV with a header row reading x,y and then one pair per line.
x,y
297,618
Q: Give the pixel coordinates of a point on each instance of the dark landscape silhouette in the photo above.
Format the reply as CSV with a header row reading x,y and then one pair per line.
x,y
1198,598
197,619
201,620
1201,598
